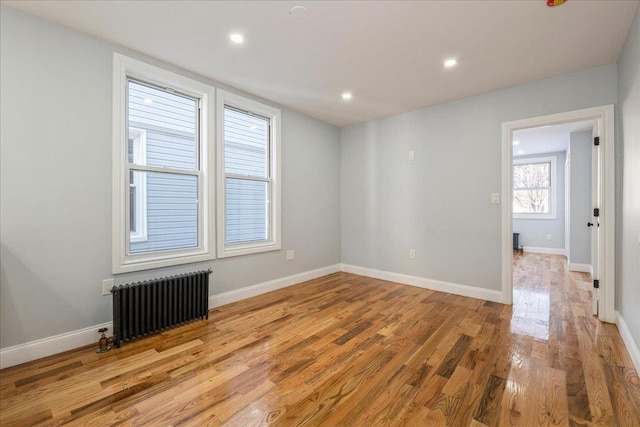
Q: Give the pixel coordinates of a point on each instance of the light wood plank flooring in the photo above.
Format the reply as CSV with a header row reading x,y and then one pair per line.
x,y
347,350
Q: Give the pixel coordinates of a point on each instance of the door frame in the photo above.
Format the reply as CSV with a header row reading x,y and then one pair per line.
x,y
567,204
604,116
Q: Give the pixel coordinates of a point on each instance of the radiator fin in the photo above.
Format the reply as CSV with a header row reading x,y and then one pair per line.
x,y
148,307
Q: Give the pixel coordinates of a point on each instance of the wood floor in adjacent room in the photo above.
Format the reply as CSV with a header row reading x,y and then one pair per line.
x,y
353,351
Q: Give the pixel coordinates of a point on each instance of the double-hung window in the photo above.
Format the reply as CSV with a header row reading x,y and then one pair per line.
x,y
534,181
248,176
161,158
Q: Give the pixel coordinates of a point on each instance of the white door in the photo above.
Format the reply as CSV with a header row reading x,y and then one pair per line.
x,y
594,224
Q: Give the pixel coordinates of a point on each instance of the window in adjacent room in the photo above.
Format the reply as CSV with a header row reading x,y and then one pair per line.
x,y
248,176
533,188
161,168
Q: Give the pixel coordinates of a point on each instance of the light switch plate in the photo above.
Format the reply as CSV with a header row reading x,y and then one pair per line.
x,y
495,198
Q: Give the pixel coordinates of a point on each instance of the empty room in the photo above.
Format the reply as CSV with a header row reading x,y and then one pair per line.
x,y
320,213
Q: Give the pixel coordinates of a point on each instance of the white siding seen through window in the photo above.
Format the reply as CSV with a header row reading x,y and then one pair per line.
x,y
246,163
170,123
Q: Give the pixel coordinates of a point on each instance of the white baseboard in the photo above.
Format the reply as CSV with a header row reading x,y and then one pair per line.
x,y
22,353
546,251
264,287
632,346
422,282
33,350
583,268
27,352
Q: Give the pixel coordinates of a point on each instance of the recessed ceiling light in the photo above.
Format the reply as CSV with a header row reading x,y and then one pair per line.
x,y
299,12
451,62
148,101
347,95
236,38
516,142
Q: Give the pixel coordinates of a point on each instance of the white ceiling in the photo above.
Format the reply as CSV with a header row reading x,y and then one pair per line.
x,y
388,53
547,139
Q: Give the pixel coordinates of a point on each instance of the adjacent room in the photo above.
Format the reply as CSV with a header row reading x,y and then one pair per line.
x,y
320,213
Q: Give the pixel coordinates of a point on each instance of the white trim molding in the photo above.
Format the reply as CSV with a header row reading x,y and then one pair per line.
x,y
582,268
33,350
604,117
271,285
632,346
27,352
547,251
422,282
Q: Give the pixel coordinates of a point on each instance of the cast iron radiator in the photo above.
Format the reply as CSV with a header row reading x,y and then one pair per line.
x,y
144,308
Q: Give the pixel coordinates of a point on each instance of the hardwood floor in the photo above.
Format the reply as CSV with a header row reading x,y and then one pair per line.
x,y
353,351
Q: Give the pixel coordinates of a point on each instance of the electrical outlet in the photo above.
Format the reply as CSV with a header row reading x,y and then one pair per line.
x,y
412,254
548,236
107,284
291,254
412,155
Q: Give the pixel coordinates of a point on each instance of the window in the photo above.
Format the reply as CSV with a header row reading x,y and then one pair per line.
x,y
162,158
248,176
534,181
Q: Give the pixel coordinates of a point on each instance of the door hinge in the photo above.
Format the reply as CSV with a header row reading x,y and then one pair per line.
x,y
596,212
596,283
596,140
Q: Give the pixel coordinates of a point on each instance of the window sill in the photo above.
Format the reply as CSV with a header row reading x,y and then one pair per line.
x,y
166,260
534,216
231,251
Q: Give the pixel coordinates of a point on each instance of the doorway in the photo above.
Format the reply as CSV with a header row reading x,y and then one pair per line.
x,y
603,261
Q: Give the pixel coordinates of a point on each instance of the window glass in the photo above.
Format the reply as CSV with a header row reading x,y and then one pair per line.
x,y
171,124
162,132
532,188
246,166
246,211
246,143
172,211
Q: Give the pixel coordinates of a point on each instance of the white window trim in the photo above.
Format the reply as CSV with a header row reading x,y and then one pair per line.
x,y
139,155
553,202
274,115
122,262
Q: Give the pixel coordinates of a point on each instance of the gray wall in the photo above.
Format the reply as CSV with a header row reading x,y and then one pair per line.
x,y
533,232
628,250
580,148
439,204
55,186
